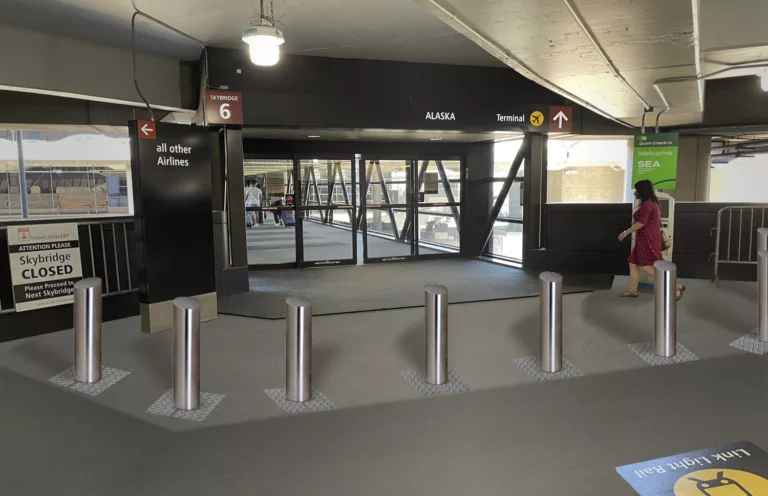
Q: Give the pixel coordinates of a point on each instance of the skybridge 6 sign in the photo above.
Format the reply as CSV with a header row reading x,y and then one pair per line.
x,y
655,159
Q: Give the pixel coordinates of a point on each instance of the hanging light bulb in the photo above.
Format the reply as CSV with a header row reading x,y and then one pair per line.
x,y
264,43
764,81
264,40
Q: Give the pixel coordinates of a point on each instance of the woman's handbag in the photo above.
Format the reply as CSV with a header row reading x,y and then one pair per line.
x,y
666,244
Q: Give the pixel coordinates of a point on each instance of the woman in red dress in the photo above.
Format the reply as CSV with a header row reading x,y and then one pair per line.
x,y
647,225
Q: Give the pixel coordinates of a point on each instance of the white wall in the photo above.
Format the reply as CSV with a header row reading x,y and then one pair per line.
x,y
43,63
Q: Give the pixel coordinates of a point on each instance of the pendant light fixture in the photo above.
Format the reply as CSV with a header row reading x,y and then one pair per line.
x,y
263,38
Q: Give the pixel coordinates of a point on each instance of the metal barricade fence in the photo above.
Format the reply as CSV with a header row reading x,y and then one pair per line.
x,y
106,248
732,243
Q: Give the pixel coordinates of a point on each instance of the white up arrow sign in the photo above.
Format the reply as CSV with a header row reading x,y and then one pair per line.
x,y
146,129
560,117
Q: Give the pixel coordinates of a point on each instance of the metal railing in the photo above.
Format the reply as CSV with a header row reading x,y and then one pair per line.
x,y
732,249
105,252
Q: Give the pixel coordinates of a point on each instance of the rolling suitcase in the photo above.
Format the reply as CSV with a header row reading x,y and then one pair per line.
x,y
288,218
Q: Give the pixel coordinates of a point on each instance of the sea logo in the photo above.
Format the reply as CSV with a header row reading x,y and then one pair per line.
x,y
23,233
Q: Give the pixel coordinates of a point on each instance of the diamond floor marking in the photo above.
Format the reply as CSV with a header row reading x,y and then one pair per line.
x,y
109,377
64,379
531,367
647,353
208,401
318,403
455,384
164,407
751,343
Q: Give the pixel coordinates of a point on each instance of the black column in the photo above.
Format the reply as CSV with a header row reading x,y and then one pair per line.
x,y
535,195
236,276
476,203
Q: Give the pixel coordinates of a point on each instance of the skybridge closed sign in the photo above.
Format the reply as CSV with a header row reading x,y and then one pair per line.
x,y
45,264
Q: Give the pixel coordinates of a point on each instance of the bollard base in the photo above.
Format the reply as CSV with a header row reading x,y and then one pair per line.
x,y
164,407
647,352
109,377
318,403
532,367
454,384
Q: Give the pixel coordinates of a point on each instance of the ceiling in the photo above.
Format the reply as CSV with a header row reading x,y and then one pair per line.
x,y
372,29
646,41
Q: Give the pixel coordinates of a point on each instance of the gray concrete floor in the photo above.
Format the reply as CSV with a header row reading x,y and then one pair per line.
x,y
386,286
270,244
511,435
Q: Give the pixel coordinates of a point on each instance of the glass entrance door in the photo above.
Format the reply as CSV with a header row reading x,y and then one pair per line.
x,y
326,214
387,206
409,208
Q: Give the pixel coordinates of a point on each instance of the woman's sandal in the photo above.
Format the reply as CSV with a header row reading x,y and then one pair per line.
x,y
629,294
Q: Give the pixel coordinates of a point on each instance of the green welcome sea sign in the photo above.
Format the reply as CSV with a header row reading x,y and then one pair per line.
x,y
655,159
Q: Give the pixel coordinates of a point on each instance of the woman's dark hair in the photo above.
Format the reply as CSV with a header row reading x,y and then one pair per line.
x,y
645,191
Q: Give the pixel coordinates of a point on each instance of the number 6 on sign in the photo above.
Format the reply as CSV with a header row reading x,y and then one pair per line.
x,y
224,111
223,107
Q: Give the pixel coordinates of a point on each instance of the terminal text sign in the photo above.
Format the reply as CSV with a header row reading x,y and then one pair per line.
x,y
45,264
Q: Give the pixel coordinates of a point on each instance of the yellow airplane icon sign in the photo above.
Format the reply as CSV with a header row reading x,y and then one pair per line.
x,y
537,118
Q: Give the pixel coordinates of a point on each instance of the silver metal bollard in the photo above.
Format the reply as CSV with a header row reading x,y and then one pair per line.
x,y
436,333
298,349
762,239
551,321
87,320
762,295
665,309
186,353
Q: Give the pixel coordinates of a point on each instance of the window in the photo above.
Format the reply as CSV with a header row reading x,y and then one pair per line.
x,y
66,173
742,180
588,171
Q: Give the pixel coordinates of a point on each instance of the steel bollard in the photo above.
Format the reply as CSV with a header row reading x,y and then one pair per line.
x,y
186,353
87,320
762,295
762,239
665,309
551,321
298,349
436,333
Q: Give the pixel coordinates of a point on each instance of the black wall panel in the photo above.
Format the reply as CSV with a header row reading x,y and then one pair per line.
x,y
583,238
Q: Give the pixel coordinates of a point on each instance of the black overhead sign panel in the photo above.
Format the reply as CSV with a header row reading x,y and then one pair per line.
x,y
532,118
171,169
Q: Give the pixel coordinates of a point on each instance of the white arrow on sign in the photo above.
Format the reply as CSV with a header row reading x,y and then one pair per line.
x,y
559,118
146,129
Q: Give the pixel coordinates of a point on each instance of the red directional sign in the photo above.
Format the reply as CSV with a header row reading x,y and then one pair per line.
x,y
223,107
147,130
560,119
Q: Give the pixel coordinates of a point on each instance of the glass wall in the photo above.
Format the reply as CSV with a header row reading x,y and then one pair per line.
x,y
588,171
67,174
742,180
